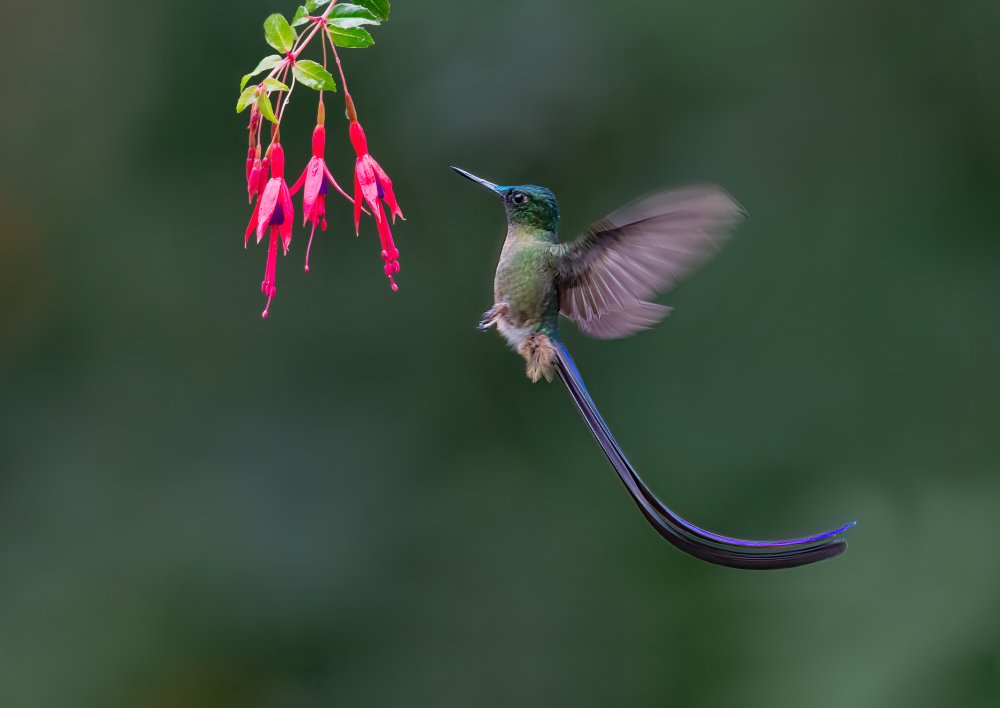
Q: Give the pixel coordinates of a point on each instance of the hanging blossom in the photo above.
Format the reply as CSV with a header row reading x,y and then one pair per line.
x,y
337,25
373,185
255,167
317,180
274,211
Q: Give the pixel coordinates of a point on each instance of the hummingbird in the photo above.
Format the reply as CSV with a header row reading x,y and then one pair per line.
x,y
604,281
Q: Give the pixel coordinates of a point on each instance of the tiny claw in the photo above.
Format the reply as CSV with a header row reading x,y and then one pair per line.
x,y
491,316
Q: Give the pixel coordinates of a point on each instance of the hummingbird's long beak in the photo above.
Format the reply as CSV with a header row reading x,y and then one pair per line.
x,y
468,175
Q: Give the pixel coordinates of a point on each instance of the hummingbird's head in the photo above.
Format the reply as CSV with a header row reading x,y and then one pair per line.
x,y
526,204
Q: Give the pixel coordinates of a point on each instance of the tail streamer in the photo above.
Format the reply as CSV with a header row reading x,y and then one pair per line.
x,y
696,541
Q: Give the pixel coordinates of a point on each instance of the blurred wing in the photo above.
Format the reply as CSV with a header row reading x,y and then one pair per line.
x,y
608,275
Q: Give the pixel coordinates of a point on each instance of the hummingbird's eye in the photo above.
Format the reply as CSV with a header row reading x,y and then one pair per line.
x,y
518,198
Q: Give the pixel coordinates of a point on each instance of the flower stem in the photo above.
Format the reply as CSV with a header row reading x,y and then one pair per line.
x,y
288,97
302,42
352,114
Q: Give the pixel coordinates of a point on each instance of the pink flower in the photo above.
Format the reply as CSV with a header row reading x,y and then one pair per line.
x,y
316,179
372,184
255,173
251,153
255,120
273,210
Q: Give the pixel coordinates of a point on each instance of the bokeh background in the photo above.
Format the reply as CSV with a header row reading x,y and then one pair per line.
x,y
363,502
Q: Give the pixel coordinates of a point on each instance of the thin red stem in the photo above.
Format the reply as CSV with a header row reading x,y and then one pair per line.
x,y
352,114
340,69
281,107
302,41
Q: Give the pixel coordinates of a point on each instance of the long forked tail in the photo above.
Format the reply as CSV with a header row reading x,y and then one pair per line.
x,y
708,546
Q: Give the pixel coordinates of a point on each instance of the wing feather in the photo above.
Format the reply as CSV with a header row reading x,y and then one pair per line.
x,y
608,276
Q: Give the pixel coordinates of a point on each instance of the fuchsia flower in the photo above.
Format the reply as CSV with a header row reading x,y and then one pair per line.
x,y
267,99
372,184
273,210
316,179
256,176
253,154
255,121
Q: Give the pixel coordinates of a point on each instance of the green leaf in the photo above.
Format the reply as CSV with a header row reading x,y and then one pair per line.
x,y
313,75
346,16
301,16
264,105
248,96
353,38
266,63
378,8
278,33
274,85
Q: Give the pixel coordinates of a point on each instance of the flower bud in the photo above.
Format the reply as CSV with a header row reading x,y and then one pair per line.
x,y
255,119
254,170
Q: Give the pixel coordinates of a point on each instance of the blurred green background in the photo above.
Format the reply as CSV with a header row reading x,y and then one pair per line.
x,y
363,502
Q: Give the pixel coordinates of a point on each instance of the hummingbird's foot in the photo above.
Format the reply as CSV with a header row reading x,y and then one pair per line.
x,y
491,316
